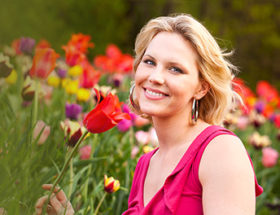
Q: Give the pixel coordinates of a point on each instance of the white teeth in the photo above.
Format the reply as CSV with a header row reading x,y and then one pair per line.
x,y
154,93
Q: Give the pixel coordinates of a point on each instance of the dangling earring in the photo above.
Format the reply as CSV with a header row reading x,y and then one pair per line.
x,y
194,111
131,97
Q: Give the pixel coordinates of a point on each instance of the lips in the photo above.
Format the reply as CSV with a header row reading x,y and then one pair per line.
x,y
154,93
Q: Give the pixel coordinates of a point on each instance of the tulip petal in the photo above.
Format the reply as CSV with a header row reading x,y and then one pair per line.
x,y
98,122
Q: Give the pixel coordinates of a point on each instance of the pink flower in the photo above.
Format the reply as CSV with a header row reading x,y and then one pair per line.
x,y
134,151
242,122
42,130
124,125
142,137
85,152
270,157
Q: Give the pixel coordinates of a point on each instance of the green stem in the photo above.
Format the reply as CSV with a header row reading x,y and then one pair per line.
x,y
63,171
35,102
71,179
85,190
99,204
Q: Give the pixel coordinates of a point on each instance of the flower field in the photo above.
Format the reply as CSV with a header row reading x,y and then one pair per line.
x,y
65,120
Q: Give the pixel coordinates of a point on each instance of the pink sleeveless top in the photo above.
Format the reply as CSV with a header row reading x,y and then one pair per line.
x,y
182,191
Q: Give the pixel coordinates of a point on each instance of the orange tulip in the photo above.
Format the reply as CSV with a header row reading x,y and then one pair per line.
x,y
105,115
43,63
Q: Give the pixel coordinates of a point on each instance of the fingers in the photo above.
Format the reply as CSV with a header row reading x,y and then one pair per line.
x,y
56,204
59,193
40,203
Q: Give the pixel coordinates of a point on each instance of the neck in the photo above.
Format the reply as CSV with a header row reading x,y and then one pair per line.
x,y
174,131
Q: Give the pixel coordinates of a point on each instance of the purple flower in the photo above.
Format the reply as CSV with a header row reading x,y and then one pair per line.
x,y
26,45
272,117
72,111
259,106
61,72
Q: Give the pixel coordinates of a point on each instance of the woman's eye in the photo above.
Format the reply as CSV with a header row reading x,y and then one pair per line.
x,y
150,62
176,69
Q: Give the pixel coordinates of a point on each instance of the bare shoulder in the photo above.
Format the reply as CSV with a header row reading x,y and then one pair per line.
x,y
227,153
227,177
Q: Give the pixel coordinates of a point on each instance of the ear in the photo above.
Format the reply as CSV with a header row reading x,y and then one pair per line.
x,y
202,90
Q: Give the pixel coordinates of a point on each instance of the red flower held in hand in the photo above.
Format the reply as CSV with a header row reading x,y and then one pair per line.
x,y
43,63
105,115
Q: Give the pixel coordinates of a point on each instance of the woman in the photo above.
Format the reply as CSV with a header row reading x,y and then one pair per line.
x,y
183,83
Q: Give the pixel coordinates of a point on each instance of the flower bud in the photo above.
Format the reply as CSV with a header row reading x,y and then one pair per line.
x,y
5,67
28,90
110,184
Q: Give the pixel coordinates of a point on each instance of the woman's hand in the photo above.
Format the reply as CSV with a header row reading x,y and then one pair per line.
x,y
57,205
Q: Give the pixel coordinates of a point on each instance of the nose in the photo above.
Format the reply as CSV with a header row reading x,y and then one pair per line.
x,y
157,76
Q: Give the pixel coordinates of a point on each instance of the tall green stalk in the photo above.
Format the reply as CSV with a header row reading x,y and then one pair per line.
x,y
35,103
99,204
64,168
71,179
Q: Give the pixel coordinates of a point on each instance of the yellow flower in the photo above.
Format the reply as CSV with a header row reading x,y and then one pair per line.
x,y
75,71
147,149
71,86
53,81
110,184
12,78
83,94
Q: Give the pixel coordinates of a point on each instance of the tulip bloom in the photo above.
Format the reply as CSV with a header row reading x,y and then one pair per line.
x,y
105,115
142,137
72,111
270,157
110,184
43,63
41,131
85,152
26,45
73,131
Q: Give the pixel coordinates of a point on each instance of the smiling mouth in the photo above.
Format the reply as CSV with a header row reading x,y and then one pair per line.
x,y
155,93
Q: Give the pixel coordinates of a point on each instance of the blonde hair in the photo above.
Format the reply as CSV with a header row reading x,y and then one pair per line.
x,y
213,66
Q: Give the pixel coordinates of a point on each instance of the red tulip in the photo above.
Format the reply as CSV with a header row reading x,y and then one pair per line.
x,y
73,56
80,42
43,63
105,115
90,76
267,91
112,51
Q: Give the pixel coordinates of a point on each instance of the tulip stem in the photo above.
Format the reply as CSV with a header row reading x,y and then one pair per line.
x,y
35,102
99,204
66,163
71,179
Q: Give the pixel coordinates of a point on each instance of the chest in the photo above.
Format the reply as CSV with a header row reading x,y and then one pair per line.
x,y
156,176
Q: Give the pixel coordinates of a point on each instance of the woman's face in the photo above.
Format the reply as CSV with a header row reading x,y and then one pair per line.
x,y
167,78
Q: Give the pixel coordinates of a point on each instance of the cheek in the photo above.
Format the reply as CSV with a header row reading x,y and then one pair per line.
x,y
140,76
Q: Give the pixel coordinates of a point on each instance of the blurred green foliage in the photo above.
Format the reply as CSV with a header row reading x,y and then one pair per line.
x,y
251,28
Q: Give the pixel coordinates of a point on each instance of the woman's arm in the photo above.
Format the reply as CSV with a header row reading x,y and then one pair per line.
x,y
227,178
